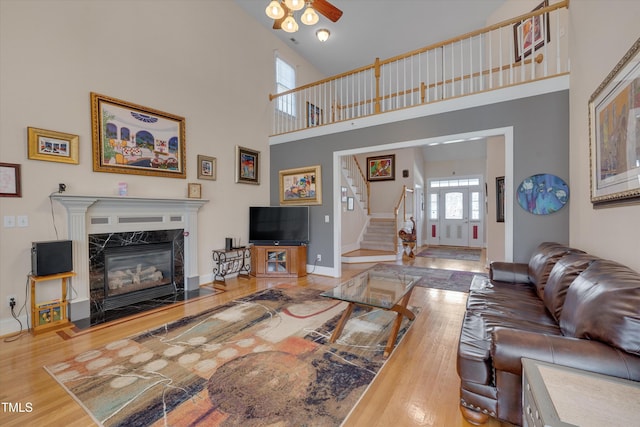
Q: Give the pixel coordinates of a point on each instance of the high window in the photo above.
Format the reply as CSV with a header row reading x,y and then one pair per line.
x,y
285,80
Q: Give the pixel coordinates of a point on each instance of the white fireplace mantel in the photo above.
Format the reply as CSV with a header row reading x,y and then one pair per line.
x,y
105,214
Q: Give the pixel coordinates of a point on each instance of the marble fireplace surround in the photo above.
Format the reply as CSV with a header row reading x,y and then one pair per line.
x,y
87,215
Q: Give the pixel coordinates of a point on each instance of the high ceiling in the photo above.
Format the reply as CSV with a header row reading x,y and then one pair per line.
x,y
378,28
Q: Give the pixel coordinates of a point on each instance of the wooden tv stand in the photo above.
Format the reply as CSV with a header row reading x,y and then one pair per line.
x,y
279,261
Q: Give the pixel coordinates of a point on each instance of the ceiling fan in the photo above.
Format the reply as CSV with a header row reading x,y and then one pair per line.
x,y
282,13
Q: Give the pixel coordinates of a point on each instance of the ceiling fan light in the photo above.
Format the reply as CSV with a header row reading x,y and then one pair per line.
x,y
289,24
310,17
294,4
323,34
274,10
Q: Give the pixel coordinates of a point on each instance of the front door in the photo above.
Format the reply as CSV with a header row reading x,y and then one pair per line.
x,y
455,212
454,226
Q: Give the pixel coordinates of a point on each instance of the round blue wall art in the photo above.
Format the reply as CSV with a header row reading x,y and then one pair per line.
x,y
542,194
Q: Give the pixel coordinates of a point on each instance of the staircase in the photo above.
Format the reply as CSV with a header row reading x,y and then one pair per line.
x,y
380,235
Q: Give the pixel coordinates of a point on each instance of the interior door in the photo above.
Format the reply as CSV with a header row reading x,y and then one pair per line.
x,y
454,220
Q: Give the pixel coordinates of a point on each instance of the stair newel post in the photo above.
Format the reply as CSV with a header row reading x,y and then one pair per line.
x,y
376,67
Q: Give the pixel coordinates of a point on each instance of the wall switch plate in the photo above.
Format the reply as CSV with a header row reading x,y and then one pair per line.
x,y
23,221
9,221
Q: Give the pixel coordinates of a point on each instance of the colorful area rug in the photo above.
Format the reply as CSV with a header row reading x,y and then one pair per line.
x,y
448,280
263,360
464,254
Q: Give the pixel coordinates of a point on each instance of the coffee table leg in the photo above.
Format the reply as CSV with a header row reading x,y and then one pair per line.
x,y
391,342
340,326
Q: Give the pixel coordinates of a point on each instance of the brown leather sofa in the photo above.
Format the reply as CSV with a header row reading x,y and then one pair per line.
x,y
565,306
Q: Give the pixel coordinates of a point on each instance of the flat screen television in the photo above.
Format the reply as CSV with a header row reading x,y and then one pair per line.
x,y
279,225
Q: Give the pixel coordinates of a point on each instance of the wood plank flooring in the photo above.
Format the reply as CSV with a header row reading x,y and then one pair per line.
x,y
418,386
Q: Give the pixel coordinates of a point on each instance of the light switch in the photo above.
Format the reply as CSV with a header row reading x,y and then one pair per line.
x,y
9,221
23,221
326,219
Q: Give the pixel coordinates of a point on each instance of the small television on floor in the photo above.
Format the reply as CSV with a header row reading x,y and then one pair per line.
x,y
279,225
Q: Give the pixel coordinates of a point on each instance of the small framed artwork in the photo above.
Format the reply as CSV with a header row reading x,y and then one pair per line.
x,y
500,199
530,34
247,165
301,186
613,133
343,194
10,180
381,168
207,167
314,115
349,203
132,139
194,190
52,146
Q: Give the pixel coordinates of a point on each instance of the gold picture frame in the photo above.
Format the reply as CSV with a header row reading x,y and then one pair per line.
x,y
132,139
301,186
52,146
194,190
207,167
613,134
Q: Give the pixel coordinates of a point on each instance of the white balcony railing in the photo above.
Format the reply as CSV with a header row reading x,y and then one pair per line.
x,y
529,47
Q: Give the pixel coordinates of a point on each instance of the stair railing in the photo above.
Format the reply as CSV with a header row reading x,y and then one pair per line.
x,y
401,208
359,183
497,56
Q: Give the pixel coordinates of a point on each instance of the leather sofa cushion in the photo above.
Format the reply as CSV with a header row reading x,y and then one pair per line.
x,y
560,278
509,305
542,261
603,304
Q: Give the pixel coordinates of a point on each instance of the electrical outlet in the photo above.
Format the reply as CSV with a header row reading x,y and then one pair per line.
x,y
318,257
11,299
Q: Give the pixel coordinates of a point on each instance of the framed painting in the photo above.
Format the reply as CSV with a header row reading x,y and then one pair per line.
x,y
247,166
10,180
530,34
132,139
52,146
614,133
301,186
542,194
500,199
207,167
314,115
381,168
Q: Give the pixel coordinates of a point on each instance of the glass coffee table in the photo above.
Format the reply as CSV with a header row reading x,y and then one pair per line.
x,y
376,289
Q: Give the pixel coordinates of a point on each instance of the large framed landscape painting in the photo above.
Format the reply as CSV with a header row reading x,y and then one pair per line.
x,y
132,139
614,120
301,186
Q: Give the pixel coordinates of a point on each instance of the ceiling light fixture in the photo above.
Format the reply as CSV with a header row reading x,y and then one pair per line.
x,y
309,17
294,4
274,10
289,24
323,34
282,12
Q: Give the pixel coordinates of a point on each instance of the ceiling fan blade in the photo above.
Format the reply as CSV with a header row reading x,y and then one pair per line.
x,y
327,9
277,23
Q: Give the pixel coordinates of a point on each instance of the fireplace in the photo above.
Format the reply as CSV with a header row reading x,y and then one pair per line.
x,y
137,273
96,223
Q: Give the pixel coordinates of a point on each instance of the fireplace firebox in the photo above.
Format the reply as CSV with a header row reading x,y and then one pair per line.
x,y
138,273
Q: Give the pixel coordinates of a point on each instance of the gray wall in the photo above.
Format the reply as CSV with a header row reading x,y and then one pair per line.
x,y
541,145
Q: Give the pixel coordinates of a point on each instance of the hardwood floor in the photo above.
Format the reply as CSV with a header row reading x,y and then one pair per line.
x,y
418,386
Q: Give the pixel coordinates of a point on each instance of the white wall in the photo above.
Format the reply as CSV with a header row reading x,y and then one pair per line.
x,y
185,57
601,33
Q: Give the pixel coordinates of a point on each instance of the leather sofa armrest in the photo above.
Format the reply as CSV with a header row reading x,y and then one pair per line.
x,y
509,272
509,346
